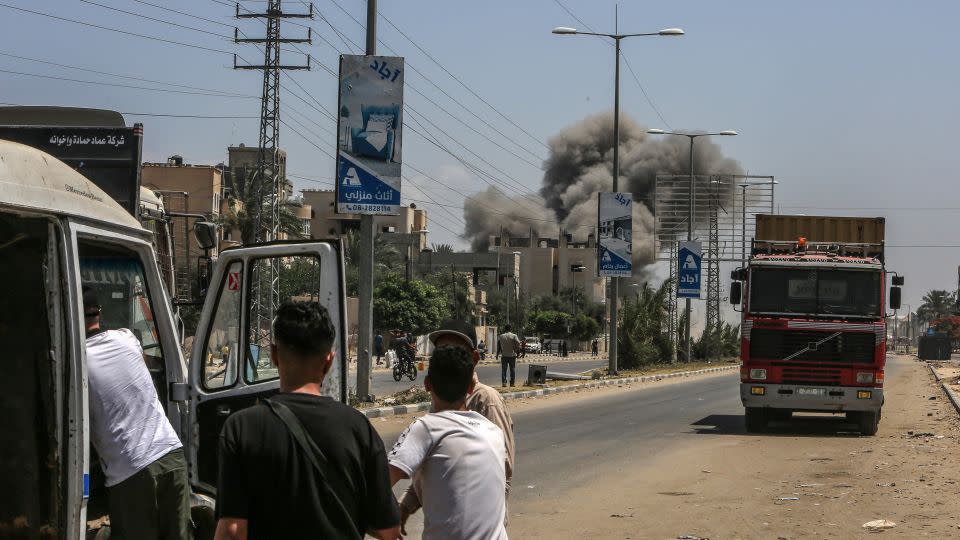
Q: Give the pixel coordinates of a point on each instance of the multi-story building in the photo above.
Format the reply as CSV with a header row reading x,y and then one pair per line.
x,y
550,265
327,223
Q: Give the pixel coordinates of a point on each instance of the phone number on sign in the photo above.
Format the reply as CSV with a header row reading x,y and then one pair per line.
x,y
368,208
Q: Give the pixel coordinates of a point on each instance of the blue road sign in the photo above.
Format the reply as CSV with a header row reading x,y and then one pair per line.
x,y
360,191
689,264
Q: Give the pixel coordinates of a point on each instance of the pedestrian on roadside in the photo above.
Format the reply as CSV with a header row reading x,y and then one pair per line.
x,y
457,455
595,347
484,400
509,346
378,347
302,464
140,452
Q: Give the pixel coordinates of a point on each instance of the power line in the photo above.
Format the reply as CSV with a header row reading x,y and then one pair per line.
x,y
162,21
119,85
625,60
225,93
117,30
460,82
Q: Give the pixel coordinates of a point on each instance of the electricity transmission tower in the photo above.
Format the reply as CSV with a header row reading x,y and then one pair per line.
x,y
266,291
713,257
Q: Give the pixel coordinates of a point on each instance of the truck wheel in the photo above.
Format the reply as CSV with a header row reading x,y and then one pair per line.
x,y
755,419
869,422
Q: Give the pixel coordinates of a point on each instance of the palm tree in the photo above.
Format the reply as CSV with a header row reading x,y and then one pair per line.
x,y
243,202
937,304
446,249
641,339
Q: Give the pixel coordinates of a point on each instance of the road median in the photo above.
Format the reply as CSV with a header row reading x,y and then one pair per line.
x,y
395,410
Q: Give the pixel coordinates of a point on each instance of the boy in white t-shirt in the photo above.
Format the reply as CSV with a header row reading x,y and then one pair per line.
x,y
458,454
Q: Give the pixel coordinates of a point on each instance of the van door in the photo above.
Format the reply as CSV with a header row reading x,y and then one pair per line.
x,y
230,366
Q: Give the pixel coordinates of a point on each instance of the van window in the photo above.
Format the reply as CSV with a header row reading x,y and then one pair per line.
x,y
223,345
31,459
272,282
116,274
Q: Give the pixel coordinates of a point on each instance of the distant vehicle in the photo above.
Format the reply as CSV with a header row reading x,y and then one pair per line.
x,y
813,331
532,345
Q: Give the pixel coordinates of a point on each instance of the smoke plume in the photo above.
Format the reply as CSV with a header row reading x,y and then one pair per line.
x,y
579,165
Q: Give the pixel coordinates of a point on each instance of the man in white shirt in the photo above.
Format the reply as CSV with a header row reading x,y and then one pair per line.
x,y
458,455
141,455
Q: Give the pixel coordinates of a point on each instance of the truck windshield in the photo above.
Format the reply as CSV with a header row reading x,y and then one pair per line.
x,y
828,292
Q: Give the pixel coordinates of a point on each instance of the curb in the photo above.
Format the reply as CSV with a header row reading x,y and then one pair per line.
x,y
425,406
954,398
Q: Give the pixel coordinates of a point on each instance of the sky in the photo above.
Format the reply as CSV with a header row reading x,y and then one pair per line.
x,y
850,105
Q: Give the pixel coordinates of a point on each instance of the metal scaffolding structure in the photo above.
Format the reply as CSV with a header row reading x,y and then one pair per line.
x,y
266,291
724,213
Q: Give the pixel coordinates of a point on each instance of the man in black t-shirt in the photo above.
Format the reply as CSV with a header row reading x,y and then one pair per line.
x,y
268,486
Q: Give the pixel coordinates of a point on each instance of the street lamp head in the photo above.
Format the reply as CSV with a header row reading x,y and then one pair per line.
x,y
656,132
729,132
564,30
671,32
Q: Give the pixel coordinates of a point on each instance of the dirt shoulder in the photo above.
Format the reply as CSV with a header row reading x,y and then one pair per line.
x,y
802,480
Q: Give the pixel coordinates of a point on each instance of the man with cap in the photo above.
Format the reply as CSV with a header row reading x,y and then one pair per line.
x,y
141,455
484,400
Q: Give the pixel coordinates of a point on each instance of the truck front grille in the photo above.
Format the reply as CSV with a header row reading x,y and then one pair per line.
x,y
848,347
811,375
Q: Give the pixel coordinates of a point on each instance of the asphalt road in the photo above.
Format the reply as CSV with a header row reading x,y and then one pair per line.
x,y
384,385
565,443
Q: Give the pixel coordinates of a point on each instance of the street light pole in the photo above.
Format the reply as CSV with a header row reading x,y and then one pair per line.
x,y
616,37
690,203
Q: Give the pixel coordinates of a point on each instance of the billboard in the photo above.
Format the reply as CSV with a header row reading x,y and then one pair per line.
x,y
689,264
369,129
615,227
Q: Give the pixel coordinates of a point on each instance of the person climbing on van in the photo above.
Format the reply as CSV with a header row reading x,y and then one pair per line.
x,y
141,455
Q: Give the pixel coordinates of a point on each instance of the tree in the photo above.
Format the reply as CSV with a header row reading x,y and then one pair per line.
x,y
442,248
641,338
455,287
949,325
414,306
549,323
250,192
721,341
937,304
386,260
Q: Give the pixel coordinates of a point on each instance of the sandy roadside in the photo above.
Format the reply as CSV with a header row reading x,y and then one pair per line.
x,y
727,484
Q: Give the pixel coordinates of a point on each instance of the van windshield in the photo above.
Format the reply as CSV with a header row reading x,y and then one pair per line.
x,y
815,291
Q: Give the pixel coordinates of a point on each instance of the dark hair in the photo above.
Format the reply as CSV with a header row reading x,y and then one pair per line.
x,y
304,327
450,372
506,328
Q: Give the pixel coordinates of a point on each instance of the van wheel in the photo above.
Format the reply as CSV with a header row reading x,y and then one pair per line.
x,y
755,419
869,422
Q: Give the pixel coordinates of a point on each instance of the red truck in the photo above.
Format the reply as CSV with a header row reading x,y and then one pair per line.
x,y
813,337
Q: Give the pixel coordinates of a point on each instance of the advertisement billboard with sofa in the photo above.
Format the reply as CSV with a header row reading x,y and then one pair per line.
x,y
369,129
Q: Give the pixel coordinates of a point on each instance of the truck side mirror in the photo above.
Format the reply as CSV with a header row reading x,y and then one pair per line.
x,y
736,291
897,281
206,234
895,297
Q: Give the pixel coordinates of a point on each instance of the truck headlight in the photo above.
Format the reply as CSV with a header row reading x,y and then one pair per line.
x,y
864,378
760,374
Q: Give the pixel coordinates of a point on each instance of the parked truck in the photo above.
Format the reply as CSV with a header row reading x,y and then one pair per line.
x,y
58,232
813,336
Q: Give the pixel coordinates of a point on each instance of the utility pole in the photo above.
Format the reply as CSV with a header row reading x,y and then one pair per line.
x,y
267,287
365,296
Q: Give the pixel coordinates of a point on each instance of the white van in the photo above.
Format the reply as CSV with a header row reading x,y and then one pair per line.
x,y
58,231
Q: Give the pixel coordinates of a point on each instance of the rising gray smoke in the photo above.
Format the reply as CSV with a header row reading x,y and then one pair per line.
x,y
580,164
